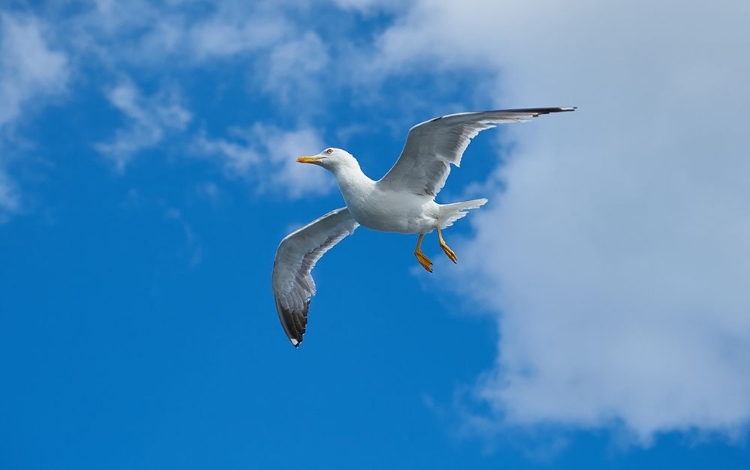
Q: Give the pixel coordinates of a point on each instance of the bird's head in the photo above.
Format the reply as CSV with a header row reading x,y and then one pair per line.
x,y
331,159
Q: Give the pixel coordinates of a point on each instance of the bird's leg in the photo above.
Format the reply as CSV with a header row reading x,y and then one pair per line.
x,y
445,247
423,260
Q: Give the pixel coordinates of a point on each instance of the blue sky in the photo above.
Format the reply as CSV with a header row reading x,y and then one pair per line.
x,y
598,315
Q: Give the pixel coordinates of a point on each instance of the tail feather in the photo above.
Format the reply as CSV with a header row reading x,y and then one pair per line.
x,y
450,213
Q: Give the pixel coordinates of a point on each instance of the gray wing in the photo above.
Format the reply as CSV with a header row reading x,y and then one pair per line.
x,y
296,256
433,145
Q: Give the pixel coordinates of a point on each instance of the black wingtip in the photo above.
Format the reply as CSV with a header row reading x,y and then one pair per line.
x,y
540,111
293,322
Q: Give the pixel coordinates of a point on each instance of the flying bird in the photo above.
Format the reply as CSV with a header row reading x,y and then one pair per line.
x,y
402,201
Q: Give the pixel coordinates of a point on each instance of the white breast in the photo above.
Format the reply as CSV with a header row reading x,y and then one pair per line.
x,y
386,209
391,211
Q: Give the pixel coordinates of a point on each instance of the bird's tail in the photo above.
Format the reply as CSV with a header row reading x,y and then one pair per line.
x,y
450,213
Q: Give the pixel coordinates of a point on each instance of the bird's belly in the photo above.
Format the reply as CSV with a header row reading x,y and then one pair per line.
x,y
396,213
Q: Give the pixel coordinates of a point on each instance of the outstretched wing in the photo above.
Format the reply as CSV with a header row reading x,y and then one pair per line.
x,y
297,254
433,145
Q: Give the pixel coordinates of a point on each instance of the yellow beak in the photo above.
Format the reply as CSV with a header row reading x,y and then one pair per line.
x,y
308,159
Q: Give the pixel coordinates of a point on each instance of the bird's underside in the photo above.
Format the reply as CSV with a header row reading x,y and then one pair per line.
x,y
417,176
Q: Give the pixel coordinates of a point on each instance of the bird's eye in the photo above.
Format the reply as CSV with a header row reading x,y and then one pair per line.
x,y
329,151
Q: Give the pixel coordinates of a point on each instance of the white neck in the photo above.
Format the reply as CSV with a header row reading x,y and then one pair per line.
x,y
353,183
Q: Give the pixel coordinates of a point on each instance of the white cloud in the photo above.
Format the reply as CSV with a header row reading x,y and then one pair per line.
x,y
210,191
149,119
237,155
224,36
296,69
281,58
267,41
266,155
191,248
144,34
9,199
617,260
283,148
29,68
30,72
370,6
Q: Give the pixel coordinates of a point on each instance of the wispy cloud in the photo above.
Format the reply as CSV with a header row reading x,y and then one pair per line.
x,y
225,36
142,34
370,6
296,69
9,199
210,191
235,153
615,261
282,148
281,47
266,155
280,58
149,119
29,67
31,73
191,249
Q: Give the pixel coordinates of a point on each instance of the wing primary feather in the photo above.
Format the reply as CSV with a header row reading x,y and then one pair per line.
x,y
432,146
298,252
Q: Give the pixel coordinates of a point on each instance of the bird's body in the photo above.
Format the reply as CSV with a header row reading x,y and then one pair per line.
x,y
380,208
387,211
403,201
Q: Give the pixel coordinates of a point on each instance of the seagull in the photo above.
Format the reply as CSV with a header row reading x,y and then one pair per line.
x,y
403,201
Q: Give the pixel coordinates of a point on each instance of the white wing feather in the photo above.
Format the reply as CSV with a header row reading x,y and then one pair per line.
x,y
296,256
432,146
